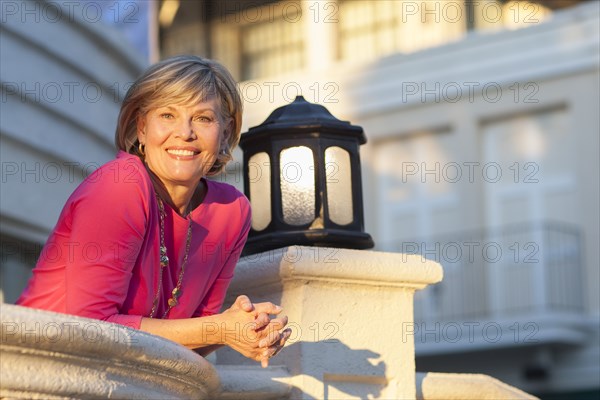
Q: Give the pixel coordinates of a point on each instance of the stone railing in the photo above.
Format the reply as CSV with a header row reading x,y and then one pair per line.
x,y
45,355
351,313
441,386
352,317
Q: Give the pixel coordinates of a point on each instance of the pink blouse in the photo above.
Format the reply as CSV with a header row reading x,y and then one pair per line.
x,y
102,259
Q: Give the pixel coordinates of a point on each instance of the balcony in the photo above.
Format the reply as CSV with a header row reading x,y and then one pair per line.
x,y
519,285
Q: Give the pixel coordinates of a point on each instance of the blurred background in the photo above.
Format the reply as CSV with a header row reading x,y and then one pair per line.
x,y
483,146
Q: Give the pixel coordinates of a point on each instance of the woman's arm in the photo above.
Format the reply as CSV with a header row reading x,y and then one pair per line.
x,y
205,351
245,327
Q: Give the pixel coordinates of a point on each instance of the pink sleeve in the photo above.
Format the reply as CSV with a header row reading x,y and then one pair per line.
x,y
213,301
108,227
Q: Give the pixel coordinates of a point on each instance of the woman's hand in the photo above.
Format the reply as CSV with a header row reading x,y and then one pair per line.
x,y
245,327
274,340
249,330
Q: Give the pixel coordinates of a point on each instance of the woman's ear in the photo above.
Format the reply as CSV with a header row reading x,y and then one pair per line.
x,y
141,128
228,131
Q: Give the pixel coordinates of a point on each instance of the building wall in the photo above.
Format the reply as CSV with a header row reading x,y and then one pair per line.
x,y
64,74
539,80
519,103
528,102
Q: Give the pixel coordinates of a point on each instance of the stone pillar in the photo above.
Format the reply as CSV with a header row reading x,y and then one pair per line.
x,y
46,355
351,313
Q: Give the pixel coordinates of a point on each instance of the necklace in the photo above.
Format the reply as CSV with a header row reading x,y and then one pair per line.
x,y
164,262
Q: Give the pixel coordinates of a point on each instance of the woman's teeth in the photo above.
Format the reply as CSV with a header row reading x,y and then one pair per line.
x,y
180,152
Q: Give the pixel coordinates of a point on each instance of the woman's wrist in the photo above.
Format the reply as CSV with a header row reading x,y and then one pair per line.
x,y
189,332
211,330
206,350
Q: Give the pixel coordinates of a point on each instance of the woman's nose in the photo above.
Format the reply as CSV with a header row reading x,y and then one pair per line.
x,y
186,130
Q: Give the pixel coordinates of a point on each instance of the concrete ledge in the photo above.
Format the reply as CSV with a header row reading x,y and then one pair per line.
x,y
49,355
335,266
253,383
441,386
338,302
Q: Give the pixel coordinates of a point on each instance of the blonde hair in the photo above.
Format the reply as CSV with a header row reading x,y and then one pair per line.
x,y
181,80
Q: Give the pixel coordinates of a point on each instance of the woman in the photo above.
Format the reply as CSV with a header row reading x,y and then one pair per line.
x,y
146,241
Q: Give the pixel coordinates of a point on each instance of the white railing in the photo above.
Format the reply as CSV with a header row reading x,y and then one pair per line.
x,y
495,273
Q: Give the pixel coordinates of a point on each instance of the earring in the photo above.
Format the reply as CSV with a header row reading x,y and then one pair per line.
x,y
142,149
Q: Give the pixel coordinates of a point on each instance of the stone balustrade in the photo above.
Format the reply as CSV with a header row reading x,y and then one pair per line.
x,y
351,313
46,355
442,386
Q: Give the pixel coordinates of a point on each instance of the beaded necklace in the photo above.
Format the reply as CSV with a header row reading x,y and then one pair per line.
x,y
164,262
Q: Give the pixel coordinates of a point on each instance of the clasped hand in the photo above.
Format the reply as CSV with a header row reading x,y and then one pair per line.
x,y
260,337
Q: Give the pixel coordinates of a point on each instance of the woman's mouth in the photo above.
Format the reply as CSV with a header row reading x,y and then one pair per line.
x,y
182,152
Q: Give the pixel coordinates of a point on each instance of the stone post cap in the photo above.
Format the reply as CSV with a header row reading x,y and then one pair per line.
x,y
338,265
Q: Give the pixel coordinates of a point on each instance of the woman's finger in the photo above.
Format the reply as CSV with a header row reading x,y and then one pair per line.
x,y
244,303
273,350
285,335
279,342
264,362
278,323
264,323
261,321
271,339
268,308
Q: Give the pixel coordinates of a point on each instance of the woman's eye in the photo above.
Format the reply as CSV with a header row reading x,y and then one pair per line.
x,y
167,115
204,118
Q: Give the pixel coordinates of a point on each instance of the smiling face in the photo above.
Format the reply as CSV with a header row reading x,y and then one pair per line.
x,y
182,141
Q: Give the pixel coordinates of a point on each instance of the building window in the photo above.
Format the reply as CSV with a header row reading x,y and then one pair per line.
x,y
371,29
493,15
271,47
183,40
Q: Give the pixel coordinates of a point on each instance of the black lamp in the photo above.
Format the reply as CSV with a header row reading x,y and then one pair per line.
x,y
302,176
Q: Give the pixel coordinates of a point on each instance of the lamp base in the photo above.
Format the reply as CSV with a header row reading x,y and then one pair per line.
x,y
310,237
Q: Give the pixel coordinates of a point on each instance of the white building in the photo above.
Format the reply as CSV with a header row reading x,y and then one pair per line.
x,y
63,75
482,121
483,154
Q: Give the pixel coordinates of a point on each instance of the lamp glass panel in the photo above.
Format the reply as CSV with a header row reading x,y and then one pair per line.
x,y
297,185
339,185
259,176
